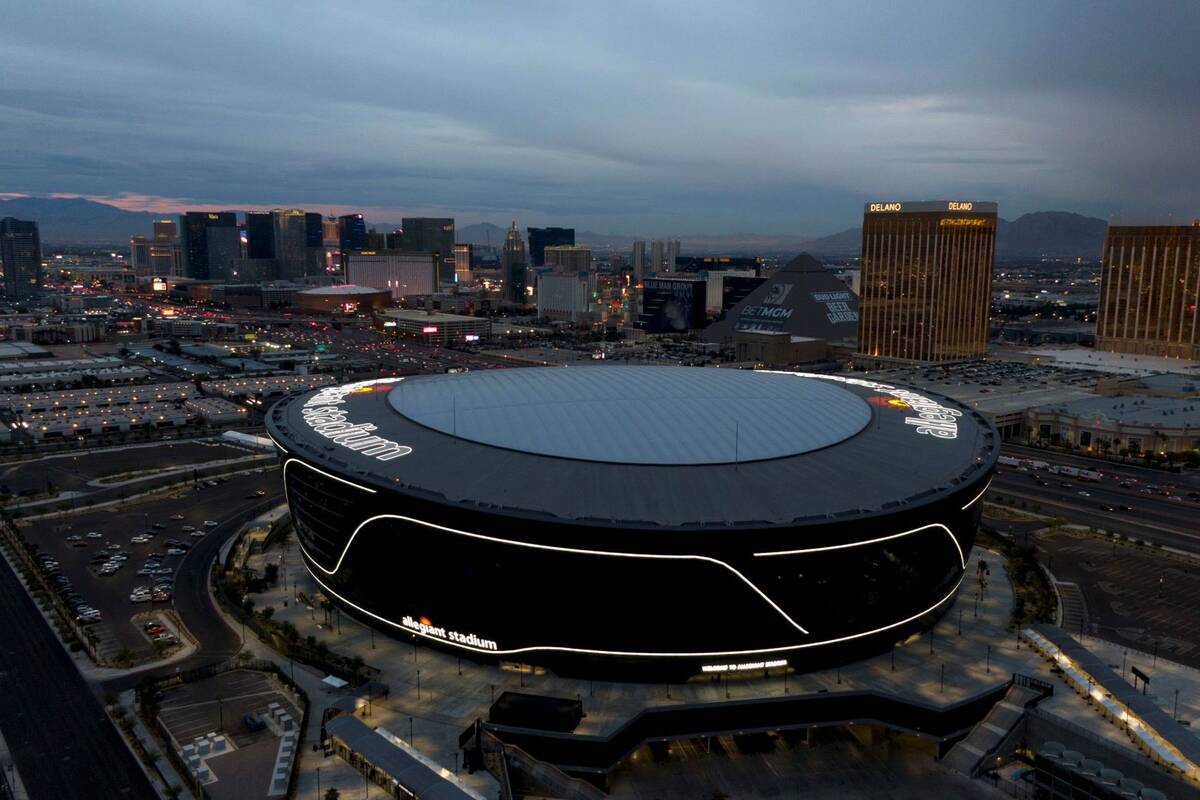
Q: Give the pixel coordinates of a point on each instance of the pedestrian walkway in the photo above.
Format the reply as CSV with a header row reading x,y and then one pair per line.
x,y
986,737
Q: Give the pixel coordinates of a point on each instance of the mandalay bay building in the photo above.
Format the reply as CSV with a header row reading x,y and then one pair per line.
x,y
1149,290
926,280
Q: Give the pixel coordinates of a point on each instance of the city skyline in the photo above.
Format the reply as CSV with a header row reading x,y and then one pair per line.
x,y
619,129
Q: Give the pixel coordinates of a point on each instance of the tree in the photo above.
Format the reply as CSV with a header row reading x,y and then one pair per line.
x,y
267,612
271,574
332,794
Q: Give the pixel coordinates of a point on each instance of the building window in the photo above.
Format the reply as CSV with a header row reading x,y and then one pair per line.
x,y
1085,438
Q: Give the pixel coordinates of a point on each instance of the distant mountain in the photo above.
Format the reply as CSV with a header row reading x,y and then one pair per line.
x,y
1056,234
1053,234
844,243
481,233
79,221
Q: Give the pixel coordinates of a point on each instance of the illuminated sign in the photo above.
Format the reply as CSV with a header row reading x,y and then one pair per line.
x,y
213,216
955,205
932,418
751,665
837,306
158,285
426,628
390,323
429,329
471,337
967,222
875,207
323,414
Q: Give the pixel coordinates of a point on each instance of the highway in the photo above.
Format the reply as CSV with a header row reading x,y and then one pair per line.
x,y
1138,511
61,740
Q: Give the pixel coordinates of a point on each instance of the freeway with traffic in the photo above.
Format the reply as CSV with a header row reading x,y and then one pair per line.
x,y
1134,501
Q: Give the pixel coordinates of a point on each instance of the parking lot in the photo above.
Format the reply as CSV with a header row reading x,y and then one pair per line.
x,y
1134,596
73,471
152,536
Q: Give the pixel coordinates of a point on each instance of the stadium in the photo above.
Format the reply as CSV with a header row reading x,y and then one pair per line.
x,y
646,523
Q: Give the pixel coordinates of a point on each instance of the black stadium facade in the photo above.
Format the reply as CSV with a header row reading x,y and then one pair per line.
x,y
639,522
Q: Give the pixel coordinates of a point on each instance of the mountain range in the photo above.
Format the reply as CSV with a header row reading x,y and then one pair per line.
x,y
1059,234
1053,234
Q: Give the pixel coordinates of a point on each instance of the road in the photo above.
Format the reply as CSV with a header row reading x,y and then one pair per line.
x,y
61,740
1146,514
72,471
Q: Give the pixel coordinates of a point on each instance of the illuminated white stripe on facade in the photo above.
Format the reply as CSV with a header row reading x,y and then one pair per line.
x,y
277,444
533,545
310,560
801,551
639,654
670,557
981,494
321,471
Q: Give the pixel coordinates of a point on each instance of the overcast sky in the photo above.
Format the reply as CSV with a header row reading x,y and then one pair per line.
x,y
644,117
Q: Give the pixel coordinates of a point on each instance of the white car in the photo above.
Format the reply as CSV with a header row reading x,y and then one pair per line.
x,y
139,597
175,551
208,523
177,517
139,540
187,529
94,535
198,534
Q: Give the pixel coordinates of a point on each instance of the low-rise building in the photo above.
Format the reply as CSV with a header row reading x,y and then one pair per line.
x,y
435,328
566,297
1124,425
779,349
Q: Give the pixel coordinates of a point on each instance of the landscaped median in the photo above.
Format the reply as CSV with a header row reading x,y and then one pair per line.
x,y
233,587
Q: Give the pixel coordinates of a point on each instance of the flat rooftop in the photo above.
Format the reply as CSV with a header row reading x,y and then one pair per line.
x,y
1167,412
616,414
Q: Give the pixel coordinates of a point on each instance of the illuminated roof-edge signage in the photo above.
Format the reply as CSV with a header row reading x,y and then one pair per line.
x,y
946,206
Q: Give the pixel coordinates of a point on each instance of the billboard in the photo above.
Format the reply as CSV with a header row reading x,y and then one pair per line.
x,y
671,305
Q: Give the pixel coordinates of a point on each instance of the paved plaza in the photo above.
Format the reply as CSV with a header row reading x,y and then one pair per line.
x,y
436,695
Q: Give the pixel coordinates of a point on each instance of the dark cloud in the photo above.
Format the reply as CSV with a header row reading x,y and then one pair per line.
x,y
641,117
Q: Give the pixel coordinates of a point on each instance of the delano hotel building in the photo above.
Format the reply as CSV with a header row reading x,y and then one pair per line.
x,y
926,280
1150,285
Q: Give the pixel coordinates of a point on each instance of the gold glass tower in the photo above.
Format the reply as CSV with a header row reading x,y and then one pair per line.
x,y
926,280
1149,289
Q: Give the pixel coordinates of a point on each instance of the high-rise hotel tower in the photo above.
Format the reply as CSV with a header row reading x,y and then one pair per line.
x,y
1149,290
926,279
